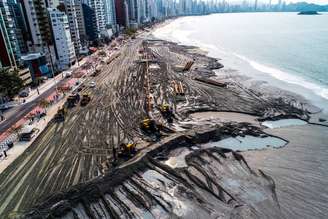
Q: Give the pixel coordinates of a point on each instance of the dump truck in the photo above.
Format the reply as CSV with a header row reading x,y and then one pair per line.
x,y
85,99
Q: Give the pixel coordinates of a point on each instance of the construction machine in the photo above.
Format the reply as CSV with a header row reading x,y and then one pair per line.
x,y
178,88
85,99
167,112
60,115
127,150
149,127
72,100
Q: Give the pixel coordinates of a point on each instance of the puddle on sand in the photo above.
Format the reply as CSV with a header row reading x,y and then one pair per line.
x,y
247,143
283,123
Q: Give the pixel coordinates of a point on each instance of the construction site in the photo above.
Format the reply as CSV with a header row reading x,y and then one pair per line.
x,y
102,155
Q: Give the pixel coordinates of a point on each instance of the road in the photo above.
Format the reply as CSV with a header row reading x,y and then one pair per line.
x,y
18,112
72,152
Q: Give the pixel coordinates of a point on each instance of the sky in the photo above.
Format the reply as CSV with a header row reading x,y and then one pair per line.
x,y
320,2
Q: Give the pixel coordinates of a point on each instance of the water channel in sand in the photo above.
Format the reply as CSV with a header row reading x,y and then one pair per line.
x,y
247,142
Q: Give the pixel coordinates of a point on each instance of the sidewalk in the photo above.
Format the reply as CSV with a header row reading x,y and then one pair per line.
x,y
51,82
20,147
42,88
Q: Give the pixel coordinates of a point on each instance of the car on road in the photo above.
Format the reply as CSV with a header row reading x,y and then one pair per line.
x,y
67,74
92,84
24,93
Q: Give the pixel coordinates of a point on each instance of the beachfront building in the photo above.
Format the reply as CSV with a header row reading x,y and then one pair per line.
x,y
122,13
94,18
39,28
69,7
37,65
65,51
12,43
80,23
110,15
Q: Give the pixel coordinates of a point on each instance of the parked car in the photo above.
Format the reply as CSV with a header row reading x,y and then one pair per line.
x,y
92,84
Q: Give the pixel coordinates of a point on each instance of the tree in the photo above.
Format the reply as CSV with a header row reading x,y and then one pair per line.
x,y
10,82
44,104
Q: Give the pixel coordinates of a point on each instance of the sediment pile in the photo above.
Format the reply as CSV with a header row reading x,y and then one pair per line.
x,y
216,183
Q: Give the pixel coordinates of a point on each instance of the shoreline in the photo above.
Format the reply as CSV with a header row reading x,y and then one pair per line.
x,y
76,166
241,66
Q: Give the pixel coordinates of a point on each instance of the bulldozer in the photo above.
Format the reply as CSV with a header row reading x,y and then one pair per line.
x,y
149,127
127,150
85,99
167,112
60,115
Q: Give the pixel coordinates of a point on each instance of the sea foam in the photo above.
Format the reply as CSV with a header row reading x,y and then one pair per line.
x,y
287,77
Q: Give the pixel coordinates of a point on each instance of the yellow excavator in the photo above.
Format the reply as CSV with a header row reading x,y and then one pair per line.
x,y
127,150
167,112
149,127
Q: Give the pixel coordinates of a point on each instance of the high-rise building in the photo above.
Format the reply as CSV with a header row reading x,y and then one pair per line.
x,y
69,7
7,55
121,13
98,19
38,25
80,22
11,31
110,15
89,22
64,47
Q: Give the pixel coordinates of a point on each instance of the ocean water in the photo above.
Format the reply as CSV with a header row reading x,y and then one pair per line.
x,y
286,50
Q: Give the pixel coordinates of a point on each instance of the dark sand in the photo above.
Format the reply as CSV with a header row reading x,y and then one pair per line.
x,y
299,170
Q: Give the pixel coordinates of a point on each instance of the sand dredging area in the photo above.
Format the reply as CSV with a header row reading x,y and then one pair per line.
x,y
67,172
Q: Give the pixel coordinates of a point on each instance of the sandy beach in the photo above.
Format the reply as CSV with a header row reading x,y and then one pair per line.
x,y
71,170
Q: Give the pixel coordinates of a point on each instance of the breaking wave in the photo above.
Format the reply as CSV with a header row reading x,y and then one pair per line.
x,y
286,77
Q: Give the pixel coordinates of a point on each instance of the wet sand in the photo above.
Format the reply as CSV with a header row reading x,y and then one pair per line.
x,y
224,117
299,170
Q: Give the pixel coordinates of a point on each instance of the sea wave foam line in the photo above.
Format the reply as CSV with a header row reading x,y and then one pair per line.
x,y
287,77
173,32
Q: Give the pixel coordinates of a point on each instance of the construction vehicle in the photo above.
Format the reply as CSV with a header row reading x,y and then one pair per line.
x,y
85,99
127,150
72,100
178,88
167,112
188,66
149,127
60,115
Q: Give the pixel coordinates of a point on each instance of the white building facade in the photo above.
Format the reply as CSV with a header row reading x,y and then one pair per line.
x,y
65,51
70,7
